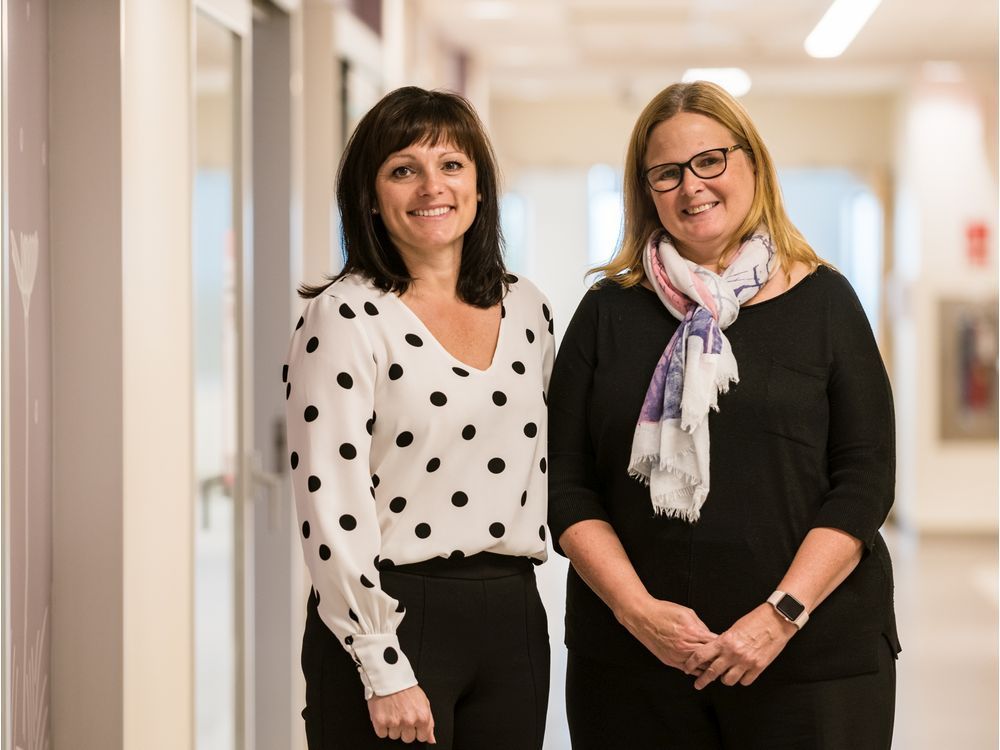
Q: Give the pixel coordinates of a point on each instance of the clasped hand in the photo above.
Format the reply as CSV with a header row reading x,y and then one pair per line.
x,y
405,716
743,652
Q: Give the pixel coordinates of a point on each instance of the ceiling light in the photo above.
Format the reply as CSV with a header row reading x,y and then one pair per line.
x,y
734,80
490,10
838,27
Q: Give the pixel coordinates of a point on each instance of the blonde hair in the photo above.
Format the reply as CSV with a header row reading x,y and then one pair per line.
x,y
641,219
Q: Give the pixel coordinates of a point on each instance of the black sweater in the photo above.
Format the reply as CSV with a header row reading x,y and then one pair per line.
x,y
804,440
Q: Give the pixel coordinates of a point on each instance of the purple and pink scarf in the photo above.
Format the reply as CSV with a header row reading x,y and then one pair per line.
x,y
670,448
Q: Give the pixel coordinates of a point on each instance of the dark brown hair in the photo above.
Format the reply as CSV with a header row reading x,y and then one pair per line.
x,y
402,118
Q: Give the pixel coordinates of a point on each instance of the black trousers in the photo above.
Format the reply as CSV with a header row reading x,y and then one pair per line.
x,y
612,707
476,635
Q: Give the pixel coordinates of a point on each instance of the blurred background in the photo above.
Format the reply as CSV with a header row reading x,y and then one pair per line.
x,y
168,171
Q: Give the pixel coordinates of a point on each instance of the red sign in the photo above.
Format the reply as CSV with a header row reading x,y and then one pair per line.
x,y
976,235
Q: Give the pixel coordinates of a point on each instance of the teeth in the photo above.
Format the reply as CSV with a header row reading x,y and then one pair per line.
x,y
699,209
432,211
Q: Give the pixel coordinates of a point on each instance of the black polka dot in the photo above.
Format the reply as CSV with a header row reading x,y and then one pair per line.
x,y
434,464
349,640
344,380
468,432
541,532
456,555
370,426
294,460
348,522
530,334
459,499
414,340
395,372
542,465
375,480
460,372
284,374
518,367
305,529
524,498
552,328
496,465
366,583
397,504
438,398
503,311
317,595
371,309
348,451
311,413
404,439
499,398
312,344
390,655
422,530
510,278
497,530
350,613
300,323
530,429
314,483
288,391
372,491
324,552
346,311
545,311
545,398
386,564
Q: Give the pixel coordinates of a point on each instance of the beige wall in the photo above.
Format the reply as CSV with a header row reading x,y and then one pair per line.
x,y
122,488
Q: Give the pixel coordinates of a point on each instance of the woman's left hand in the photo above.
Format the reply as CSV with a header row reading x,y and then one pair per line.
x,y
741,653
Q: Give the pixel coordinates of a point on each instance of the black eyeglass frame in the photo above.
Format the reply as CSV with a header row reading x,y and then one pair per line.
x,y
689,164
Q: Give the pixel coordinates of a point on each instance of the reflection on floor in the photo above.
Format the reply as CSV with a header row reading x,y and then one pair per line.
x,y
946,608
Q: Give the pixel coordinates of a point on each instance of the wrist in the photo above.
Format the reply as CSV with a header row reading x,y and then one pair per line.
x,y
632,610
788,608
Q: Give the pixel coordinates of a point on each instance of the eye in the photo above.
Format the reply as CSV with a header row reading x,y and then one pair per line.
x,y
401,172
665,173
453,166
708,160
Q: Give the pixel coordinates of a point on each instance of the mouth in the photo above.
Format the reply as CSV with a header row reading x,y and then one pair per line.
x,y
431,213
700,209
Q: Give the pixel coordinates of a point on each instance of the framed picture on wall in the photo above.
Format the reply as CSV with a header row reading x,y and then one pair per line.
x,y
968,347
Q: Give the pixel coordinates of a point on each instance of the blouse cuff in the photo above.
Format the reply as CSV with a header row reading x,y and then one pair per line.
x,y
383,666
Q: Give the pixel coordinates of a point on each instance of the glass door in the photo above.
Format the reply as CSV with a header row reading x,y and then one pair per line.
x,y
218,382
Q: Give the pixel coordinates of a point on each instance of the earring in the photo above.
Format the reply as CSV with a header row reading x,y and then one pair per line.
x,y
374,211
479,197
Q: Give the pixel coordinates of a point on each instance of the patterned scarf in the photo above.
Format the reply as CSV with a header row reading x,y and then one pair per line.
x,y
670,448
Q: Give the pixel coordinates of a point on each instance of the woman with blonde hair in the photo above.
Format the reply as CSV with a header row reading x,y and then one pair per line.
x,y
722,457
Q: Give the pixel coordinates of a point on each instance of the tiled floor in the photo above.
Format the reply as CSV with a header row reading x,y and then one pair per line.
x,y
946,607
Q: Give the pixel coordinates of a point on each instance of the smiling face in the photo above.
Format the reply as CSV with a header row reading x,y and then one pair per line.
x,y
701,215
427,198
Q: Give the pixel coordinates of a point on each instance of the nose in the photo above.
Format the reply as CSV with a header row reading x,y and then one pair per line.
x,y
690,182
431,182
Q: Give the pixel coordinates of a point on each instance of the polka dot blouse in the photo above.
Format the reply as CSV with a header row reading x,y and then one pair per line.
x,y
401,453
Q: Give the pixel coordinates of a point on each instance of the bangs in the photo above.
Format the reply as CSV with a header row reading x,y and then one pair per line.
x,y
439,122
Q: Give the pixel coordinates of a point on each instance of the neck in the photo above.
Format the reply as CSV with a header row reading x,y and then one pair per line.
x,y
434,274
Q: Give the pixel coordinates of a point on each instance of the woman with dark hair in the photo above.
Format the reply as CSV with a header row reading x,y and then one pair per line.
x,y
697,562
416,425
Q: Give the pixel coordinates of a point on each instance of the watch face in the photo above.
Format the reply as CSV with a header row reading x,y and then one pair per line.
x,y
789,607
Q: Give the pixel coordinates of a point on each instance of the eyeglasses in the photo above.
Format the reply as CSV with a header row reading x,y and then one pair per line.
x,y
708,164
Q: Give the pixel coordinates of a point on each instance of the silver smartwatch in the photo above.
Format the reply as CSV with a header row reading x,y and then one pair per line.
x,y
789,607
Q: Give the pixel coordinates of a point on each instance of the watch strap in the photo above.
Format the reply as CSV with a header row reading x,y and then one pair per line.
x,y
789,607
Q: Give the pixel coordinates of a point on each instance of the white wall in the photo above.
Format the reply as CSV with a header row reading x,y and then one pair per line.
x,y
945,178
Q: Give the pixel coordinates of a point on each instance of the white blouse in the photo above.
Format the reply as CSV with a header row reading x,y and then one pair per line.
x,y
454,457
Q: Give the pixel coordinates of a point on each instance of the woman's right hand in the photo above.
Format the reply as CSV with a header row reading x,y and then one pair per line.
x,y
405,716
670,631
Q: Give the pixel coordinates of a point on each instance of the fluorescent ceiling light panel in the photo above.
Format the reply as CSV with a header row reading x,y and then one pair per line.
x,y
734,80
838,27
490,10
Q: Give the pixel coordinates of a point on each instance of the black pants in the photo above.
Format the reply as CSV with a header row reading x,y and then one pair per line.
x,y
617,708
476,635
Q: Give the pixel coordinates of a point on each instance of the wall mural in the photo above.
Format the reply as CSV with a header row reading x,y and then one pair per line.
x,y
29,502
